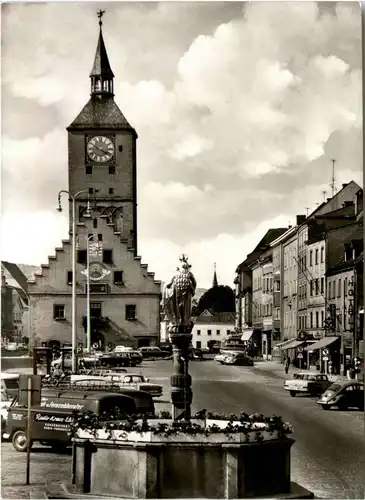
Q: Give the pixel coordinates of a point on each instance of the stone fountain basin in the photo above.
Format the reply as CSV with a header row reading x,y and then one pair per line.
x,y
217,465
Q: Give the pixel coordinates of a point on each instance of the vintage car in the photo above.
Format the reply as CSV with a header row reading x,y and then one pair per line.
x,y
10,383
313,384
121,380
221,356
154,352
344,395
52,418
238,358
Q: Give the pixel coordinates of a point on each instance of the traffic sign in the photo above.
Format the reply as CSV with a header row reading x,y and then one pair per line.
x,y
325,352
300,349
300,355
325,358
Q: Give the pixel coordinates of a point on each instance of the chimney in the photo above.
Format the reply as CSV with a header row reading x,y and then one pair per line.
x,y
344,185
300,219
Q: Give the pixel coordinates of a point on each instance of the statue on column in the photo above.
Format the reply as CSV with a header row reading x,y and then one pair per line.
x,y
177,296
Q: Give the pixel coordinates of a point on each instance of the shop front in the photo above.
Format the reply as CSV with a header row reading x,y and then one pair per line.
x,y
325,355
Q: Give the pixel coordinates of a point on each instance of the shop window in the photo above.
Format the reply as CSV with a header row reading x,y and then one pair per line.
x,y
130,312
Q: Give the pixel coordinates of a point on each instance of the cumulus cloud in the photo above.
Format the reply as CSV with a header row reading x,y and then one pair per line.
x,y
238,108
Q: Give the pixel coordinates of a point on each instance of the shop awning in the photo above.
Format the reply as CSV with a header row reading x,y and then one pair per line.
x,y
284,343
321,343
294,343
246,335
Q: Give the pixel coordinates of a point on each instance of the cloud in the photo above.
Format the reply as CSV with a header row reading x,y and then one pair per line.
x,y
238,107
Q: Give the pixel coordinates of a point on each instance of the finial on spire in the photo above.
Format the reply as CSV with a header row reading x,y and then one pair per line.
x,y
100,15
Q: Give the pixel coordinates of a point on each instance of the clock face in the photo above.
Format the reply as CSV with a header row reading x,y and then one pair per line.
x,y
100,149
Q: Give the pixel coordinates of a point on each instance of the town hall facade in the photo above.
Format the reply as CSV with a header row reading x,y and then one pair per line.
x,y
102,173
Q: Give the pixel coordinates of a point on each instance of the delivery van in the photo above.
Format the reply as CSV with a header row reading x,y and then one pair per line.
x,y
52,418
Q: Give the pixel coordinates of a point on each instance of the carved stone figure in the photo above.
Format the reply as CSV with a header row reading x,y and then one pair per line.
x,y
178,294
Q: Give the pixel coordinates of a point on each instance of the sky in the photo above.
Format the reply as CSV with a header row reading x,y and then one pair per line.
x,y
239,109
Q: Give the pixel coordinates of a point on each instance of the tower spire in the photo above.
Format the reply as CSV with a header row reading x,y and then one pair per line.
x,y
215,281
101,75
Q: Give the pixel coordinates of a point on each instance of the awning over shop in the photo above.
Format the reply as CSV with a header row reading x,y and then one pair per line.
x,y
294,343
246,335
321,343
284,343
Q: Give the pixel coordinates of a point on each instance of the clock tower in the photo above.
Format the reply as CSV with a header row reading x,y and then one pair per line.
x,y
115,291
102,159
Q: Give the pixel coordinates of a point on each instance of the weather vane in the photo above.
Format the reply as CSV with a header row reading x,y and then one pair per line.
x,y
100,15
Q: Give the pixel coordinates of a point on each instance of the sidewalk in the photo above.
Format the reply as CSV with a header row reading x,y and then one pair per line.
x,y
278,369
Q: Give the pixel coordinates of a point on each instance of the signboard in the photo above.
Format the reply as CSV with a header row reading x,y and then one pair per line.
x,y
300,355
23,390
325,358
325,352
95,249
300,349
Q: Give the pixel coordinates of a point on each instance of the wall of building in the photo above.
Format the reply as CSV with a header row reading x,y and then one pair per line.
x,y
289,284
316,288
218,333
257,304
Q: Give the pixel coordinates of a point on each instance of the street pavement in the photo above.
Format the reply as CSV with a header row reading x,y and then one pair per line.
x,y
327,456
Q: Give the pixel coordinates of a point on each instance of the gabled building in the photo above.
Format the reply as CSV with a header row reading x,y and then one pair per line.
x,y
102,170
212,329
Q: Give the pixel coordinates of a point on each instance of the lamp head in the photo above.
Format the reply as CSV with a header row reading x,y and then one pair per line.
x,y
59,208
87,212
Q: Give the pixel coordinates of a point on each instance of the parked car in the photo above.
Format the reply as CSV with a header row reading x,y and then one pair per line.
x,y
117,359
196,354
313,384
220,357
121,380
11,346
97,372
166,346
344,395
238,358
136,356
122,348
154,352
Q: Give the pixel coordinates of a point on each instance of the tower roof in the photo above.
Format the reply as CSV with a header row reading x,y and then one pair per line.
x,y
98,114
101,65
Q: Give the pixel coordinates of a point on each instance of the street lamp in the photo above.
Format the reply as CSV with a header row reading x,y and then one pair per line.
x,y
73,321
88,326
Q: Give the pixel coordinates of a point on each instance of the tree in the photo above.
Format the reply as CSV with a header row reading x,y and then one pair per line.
x,y
217,299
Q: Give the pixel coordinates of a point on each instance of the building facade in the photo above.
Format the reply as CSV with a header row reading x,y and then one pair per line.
x,y
125,297
212,329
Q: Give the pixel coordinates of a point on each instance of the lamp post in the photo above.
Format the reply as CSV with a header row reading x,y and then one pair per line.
x,y
73,198
88,319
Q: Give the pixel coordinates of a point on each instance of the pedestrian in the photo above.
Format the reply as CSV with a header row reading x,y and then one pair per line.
x,y
287,364
352,373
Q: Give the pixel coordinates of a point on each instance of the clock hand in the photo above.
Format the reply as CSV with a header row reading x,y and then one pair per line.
x,y
102,150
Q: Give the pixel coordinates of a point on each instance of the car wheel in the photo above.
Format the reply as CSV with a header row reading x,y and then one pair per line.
x,y
19,441
293,393
326,407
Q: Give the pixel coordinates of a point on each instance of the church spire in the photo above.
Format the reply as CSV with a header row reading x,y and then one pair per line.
x,y
215,281
101,75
